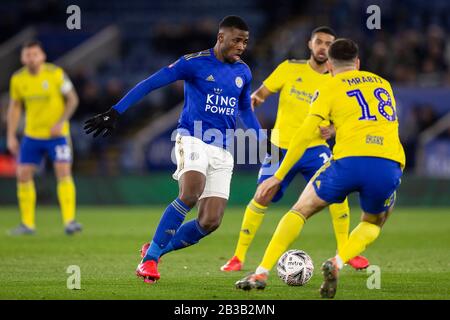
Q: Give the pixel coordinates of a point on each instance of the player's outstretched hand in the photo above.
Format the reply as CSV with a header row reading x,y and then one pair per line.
x,y
327,132
267,186
255,101
13,145
102,122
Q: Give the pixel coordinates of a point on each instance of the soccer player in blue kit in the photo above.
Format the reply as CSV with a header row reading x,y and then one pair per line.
x,y
217,90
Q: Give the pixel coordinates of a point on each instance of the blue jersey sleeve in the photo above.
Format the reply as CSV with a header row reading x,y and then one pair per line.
x,y
179,70
244,99
246,113
250,121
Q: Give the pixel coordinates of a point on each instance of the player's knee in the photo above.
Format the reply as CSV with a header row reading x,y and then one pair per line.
x,y
309,202
22,178
210,224
267,199
189,199
376,219
264,201
308,207
63,175
63,171
24,175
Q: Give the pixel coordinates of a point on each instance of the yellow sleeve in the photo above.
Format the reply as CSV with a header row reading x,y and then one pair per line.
x,y
62,81
14,93
277,78
321,103
299,142
59,77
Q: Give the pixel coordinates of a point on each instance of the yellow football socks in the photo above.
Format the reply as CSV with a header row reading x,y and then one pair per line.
x,y
66,197
254,214
26,195
340,216
287,231
363,235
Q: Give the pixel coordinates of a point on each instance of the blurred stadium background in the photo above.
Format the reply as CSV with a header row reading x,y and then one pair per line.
x,y
122,42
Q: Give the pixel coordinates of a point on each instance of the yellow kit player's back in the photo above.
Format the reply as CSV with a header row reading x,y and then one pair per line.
x,y
362,107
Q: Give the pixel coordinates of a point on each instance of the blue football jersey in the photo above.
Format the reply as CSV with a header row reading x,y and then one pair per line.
x,y
214,93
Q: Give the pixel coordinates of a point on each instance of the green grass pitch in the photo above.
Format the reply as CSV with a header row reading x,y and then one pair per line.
x,y
413,253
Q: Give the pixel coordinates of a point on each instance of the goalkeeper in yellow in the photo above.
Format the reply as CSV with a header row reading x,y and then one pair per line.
x,y
368,159
296,81
48,98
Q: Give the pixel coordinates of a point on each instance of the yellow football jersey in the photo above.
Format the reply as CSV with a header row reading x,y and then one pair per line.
x,y
296,81
42,95
362,107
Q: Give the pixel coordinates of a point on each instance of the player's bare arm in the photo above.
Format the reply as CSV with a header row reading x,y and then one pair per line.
x,y
302,138
71,105
13,119
259,96
327,132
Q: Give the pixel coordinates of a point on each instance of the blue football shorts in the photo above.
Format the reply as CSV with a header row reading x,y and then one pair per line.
x,y
311,161
32,150
375,179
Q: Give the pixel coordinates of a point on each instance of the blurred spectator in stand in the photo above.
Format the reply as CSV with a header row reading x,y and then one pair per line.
x,y
90,102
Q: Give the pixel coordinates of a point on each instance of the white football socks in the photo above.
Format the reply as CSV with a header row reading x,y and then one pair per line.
x,y
261,270
339,261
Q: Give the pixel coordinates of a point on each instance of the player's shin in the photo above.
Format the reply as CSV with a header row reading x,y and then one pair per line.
x,y
170,221
188,234
340,216
66,196
363,235
26,195
287,231
254,214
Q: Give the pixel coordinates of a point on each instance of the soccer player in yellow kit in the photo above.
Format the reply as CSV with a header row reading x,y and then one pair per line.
x,y
368,159
296,81
48,98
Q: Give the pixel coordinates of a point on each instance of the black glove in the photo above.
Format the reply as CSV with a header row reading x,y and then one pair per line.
x,y
104,121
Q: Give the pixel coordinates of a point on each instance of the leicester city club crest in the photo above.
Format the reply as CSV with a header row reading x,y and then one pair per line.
x,y
239,82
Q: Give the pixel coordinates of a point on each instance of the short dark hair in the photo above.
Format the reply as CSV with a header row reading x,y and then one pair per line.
x,y
233,22
323,29
32,43
343,50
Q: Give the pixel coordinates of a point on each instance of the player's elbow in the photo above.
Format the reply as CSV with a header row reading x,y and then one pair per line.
x,y
74,100
14,105
14,110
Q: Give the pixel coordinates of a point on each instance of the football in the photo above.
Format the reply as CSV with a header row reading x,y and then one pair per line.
x,y
295,267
